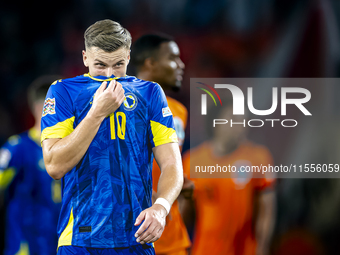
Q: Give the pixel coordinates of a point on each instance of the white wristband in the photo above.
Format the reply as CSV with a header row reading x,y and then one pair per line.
x,y
164,203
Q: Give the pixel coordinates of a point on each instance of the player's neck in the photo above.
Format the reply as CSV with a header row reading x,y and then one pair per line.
x,y
144,75
220,149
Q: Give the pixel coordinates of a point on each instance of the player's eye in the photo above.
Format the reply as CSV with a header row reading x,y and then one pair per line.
x,y
99,64
119,64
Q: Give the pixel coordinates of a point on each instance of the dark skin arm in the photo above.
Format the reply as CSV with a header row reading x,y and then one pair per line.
x,y
264,217
186,204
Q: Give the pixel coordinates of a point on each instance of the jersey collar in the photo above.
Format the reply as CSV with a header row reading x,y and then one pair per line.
x,y
103,78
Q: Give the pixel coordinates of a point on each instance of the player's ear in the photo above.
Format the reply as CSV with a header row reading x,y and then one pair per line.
x,y
128,57
85,59
149,63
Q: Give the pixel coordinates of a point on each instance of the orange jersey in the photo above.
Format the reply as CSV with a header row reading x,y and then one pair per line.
x,y
224,206
175,236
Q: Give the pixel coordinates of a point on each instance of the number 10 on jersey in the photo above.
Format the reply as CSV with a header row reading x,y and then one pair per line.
x,y
120,118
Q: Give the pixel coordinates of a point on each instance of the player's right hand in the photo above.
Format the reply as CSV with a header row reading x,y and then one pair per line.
x,y
107,99
153,198
153,219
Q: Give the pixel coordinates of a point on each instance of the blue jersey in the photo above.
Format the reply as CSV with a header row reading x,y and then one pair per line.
x,y
106,191
33,198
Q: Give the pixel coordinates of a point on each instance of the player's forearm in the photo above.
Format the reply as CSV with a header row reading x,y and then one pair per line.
x,y
265,221
170,182
63,155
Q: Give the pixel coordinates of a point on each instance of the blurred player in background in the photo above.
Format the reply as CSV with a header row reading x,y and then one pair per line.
x,y
100,132
157,59
32,197
234,214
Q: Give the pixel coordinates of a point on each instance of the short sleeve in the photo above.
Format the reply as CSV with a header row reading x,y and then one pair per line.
x,y
198,182
161,127
57,117
184,116
265,158
186,164
10,160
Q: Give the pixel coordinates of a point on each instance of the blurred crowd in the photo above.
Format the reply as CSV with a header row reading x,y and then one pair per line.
x,y
220,38
224,39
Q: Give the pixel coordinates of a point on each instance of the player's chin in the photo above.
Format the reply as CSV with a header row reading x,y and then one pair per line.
x,y
177,86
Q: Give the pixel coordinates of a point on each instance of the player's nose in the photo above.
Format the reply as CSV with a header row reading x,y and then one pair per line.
x,y
109,72
180,63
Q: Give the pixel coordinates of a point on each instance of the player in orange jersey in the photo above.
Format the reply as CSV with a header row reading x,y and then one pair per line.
x,y
157,58
234,215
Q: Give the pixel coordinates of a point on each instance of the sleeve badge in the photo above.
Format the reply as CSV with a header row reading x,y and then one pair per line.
x,y
49,107
166,111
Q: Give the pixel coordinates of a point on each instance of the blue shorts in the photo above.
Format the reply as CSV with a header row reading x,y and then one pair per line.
x,y
132,250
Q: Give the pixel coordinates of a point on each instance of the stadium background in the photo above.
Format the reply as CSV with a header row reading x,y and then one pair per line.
x,y
219,38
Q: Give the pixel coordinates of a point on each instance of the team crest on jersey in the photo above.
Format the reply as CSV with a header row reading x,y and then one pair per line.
x,y
241,178
130,102
49,106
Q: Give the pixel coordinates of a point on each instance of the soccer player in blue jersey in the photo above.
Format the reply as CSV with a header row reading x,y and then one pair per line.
x,y
100,132
33,198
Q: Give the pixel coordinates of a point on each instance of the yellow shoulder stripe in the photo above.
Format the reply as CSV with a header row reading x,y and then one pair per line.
x,y
24,249
59,130
162,134
66,236
6,177
34,134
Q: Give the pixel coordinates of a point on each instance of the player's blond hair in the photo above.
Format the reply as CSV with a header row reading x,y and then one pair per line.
x,y
107,35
